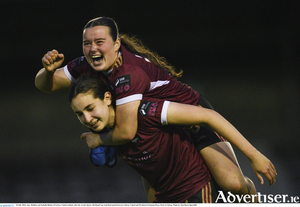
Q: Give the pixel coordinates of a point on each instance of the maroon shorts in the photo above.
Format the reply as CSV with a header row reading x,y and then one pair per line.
x,y
208,194
204,136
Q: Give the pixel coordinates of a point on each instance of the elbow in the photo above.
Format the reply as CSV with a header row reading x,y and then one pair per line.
x,y
41,82
129,136
37,85
42,87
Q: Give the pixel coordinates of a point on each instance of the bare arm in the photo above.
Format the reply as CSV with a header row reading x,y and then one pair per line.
x,y
124,131
52,78
126,125
183,114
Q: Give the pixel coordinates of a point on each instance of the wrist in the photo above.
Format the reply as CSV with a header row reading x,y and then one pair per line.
x,y
253,155
102,140
50,72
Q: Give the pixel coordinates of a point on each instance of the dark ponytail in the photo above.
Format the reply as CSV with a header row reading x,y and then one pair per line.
x,y
134,45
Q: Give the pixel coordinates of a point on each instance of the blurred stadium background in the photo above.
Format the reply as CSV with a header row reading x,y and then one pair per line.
x,y
243,56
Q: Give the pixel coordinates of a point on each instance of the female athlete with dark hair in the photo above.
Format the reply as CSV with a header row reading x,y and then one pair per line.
x,y
135,72
164,155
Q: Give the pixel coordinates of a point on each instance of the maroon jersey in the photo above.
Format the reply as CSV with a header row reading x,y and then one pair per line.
x,y
165,155
134,77
80,66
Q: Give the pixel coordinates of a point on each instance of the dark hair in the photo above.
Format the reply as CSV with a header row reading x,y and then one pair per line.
x,y
90,85
105,21
134,45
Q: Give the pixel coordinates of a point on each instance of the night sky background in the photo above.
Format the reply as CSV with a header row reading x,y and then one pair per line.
x,y
243,56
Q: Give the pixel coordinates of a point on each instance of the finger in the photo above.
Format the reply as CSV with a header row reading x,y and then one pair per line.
x,y
274,169
273,178
49,58
272,181
260,178
54,51
53,55
273,173
84,135
60,55
270,178
45,61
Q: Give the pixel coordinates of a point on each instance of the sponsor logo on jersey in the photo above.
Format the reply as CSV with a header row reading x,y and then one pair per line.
x,y
148,108
135,140
122,84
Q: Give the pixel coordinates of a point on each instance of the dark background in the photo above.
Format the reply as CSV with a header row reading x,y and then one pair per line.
x,y
243,56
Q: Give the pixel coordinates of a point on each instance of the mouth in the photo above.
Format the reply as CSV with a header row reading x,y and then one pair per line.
x,y
93,124
97,59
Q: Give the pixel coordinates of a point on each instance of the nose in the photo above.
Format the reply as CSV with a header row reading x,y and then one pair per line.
x,y
87,118
93,47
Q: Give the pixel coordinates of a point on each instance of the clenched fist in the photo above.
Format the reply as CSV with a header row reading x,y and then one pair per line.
x,y
52,60
92,140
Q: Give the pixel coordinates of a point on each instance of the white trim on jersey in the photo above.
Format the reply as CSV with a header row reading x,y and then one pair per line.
x,y
68,74
159,83
128,99
163,116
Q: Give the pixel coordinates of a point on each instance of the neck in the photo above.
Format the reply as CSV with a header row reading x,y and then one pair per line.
x,y
112,117
117,63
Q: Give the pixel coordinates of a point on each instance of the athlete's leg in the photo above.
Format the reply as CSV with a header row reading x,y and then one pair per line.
x,y
225,169
252,189
220,158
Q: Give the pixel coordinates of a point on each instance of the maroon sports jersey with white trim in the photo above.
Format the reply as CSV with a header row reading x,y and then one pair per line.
x,y
136,77
165,155
80,66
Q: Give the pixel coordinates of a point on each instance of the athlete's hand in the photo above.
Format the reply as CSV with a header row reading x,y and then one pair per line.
x,y
52,60
262,165
92,140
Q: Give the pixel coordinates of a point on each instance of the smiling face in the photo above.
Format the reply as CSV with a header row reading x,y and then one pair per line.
x,y
94,112
99,48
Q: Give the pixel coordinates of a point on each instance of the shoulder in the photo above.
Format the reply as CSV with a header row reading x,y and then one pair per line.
x,y
128,72
133,59
151,112
78,62
79,66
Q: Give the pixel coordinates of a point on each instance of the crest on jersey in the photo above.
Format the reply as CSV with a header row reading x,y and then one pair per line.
x,y
148,108
122,84
77,62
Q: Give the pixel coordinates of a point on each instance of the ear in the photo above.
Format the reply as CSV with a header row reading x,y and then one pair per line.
x,y
117,44
107,98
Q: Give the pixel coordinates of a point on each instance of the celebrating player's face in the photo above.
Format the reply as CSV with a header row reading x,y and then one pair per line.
x,y
93,112
99,48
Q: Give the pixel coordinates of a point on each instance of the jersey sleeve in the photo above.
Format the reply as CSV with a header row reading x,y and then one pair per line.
x,y
77,67
130,84
152,113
